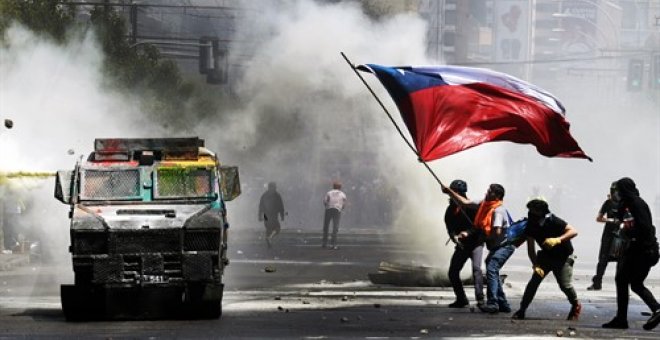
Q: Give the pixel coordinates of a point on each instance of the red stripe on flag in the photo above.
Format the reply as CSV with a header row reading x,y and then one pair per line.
x,y
451,118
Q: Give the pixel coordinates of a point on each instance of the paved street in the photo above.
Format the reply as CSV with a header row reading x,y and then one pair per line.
x,y
298,290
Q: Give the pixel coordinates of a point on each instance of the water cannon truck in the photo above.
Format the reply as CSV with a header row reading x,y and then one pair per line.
x,y
148,230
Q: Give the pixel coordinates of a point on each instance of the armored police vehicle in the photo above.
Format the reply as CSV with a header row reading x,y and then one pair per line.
x,y
148,230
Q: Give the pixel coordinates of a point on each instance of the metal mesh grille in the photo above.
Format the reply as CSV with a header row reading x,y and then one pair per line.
x,y
204,240
145,241
197,267
152,264
110,184
108,269
183,182
85,243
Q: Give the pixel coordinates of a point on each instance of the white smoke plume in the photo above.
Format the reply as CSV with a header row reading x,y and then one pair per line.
x,y
59,102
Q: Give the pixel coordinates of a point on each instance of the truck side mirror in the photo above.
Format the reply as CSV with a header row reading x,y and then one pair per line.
x,y
230,184
63,184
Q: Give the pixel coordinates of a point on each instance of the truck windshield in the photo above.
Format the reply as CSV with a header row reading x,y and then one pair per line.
x,y
180,182
110,184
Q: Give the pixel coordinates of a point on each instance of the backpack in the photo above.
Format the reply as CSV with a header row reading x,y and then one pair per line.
x,y
515,233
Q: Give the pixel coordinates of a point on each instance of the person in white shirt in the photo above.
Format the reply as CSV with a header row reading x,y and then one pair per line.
x,y
334,201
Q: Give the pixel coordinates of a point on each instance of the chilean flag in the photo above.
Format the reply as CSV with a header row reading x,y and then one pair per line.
x,y
448,109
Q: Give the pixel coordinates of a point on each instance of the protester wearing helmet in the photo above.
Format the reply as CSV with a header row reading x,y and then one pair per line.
x,y
469,245
491,220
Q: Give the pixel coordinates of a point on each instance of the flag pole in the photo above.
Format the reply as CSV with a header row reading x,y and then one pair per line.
x,y
401,133
391,119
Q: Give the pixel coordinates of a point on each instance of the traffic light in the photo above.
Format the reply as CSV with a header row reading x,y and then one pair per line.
x,y
205,55
655,72
212,60
635,74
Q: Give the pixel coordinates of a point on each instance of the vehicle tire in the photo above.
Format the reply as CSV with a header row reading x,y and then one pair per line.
x,y
80,303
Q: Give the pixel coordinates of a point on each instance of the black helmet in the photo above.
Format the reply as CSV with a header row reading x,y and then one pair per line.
x,y
459,186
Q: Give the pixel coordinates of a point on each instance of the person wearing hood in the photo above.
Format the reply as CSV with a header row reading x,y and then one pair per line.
x,y
469,245
554,236
637,260
607,214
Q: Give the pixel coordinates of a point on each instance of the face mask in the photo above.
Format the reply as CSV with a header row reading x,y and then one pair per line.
x,y
534,218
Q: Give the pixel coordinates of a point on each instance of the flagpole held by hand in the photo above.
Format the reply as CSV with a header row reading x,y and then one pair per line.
x,y
442,186
391,118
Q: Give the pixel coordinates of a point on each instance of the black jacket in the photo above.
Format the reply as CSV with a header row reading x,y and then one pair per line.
x,y
642,233
457,221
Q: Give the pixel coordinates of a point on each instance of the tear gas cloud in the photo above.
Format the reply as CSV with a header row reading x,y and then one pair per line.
x,y
305,119
309,120
297,78
56,97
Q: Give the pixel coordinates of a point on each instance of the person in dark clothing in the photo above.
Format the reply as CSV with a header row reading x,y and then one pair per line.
x,y
607,214
642,254
469,245
554,236
271,205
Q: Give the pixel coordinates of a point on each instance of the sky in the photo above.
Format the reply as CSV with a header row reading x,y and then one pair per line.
x,y
306,120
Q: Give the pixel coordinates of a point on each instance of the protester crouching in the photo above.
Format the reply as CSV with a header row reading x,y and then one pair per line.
x,y
469,245
641,254
553,235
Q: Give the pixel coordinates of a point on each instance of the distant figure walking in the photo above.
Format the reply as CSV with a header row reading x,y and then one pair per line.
x,y
271,205
607,214
334,202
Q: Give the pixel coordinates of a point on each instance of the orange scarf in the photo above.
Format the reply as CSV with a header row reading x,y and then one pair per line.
x,y
484,218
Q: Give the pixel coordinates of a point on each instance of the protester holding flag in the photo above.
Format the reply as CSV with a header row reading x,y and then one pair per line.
x,y
556,255
491,219
469,245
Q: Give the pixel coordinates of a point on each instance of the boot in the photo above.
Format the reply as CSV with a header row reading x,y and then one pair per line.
x,y
616,323
653,321
574,314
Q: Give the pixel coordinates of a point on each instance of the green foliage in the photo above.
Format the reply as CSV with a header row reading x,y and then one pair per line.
x,y
45,17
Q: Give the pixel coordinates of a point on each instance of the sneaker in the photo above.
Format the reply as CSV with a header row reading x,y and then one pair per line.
x,y
574,314
489,309
334,248
595,287
481,303
653,321
616,323
458,304
505,309
518,315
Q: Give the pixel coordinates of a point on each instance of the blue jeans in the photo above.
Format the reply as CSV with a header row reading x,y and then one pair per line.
x,y
494,262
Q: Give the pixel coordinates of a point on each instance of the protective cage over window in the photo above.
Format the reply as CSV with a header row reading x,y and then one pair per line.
x,y
110,184
183,183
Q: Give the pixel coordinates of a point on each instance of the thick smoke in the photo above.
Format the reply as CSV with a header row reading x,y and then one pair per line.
x,y
309,120
58,102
